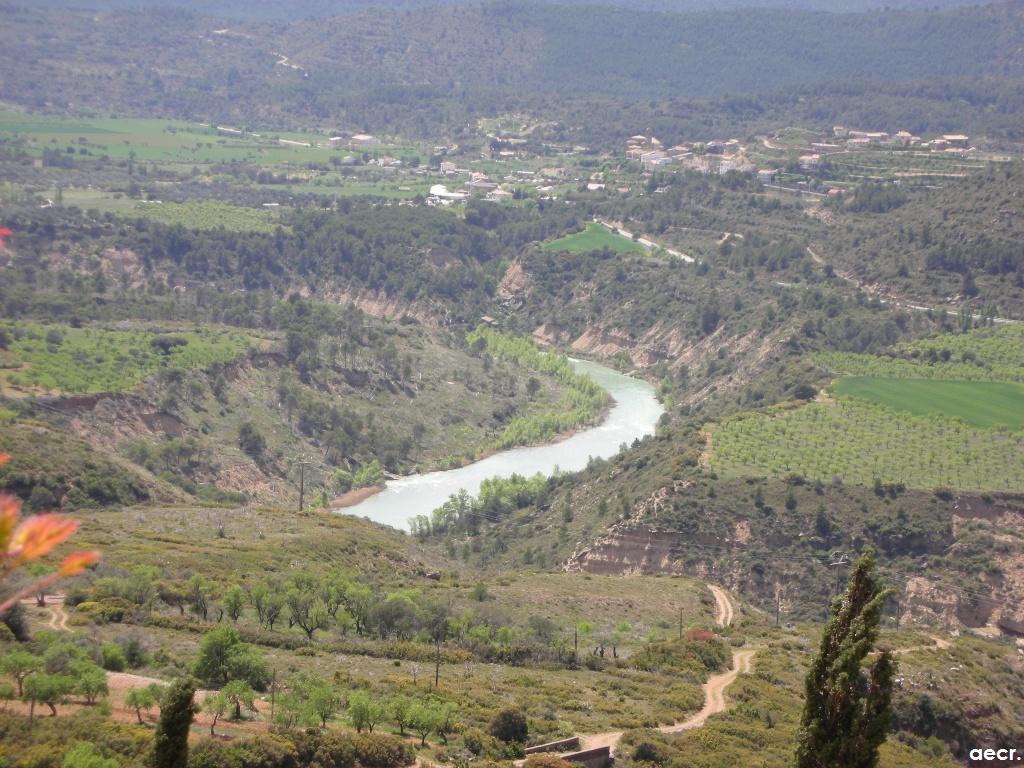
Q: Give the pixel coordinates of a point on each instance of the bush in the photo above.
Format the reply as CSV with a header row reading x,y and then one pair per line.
x,y
328,749
112,656
510,725
258,752
546,760
251,441
108,610
325,749
223,657
480,743
647,752
380,750
84,755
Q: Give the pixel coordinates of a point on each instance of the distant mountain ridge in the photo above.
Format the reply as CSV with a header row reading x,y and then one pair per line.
x,y
434,70
270,10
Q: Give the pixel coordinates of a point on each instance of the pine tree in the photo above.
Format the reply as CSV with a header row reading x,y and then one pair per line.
x,y
170,742
846,712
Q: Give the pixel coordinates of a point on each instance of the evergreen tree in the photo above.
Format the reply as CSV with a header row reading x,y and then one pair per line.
x,y
170,742
846,713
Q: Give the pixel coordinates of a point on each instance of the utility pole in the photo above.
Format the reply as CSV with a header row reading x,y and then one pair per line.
x,y
303,462
897,614
437,662
839,560
273,693
778,606
680,622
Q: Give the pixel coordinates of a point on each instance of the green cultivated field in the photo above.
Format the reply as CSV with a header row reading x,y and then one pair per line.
x,y
210,214
860,442
90,360
594,238
989,354
945,411
167,141
978,403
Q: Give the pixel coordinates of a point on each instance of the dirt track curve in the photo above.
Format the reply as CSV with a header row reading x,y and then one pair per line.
x,y
714,688
724,612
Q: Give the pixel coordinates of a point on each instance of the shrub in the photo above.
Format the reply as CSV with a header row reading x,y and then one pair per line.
x,y
324,749
480,743
510,725
647,752
84,755
223,657
251,441
108,610
380,750
546,760
259,752
112,656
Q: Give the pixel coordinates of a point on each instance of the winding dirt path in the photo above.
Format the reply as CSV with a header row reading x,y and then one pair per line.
x,y
58,616
885,298
714,703
714,688
714,693
724,611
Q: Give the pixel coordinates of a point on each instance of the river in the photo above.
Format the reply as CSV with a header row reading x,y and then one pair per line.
x,y
634,414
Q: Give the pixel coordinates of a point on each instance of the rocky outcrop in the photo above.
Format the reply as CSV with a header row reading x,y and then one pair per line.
x,y
514,281
379,304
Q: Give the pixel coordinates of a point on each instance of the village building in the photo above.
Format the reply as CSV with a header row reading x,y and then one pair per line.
x,y
439,193
499,196
655,159
810,162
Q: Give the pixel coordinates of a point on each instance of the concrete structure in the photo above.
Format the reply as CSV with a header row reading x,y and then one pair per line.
x,y
810,162
651,160
441,193
601,757
573,742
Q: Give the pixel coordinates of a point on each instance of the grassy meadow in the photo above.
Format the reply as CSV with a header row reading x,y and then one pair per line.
x,y
593,238
978,403
169,142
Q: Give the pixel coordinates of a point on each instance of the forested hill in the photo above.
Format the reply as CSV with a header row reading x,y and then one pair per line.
x,y
621,53
267,10
424,71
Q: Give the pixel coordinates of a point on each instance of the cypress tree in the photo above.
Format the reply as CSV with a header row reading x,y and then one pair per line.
x,y
846,712
170,742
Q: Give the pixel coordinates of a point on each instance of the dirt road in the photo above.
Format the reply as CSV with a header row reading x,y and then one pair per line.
x,y
723,606
714,693
885,298
714,688
714,702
